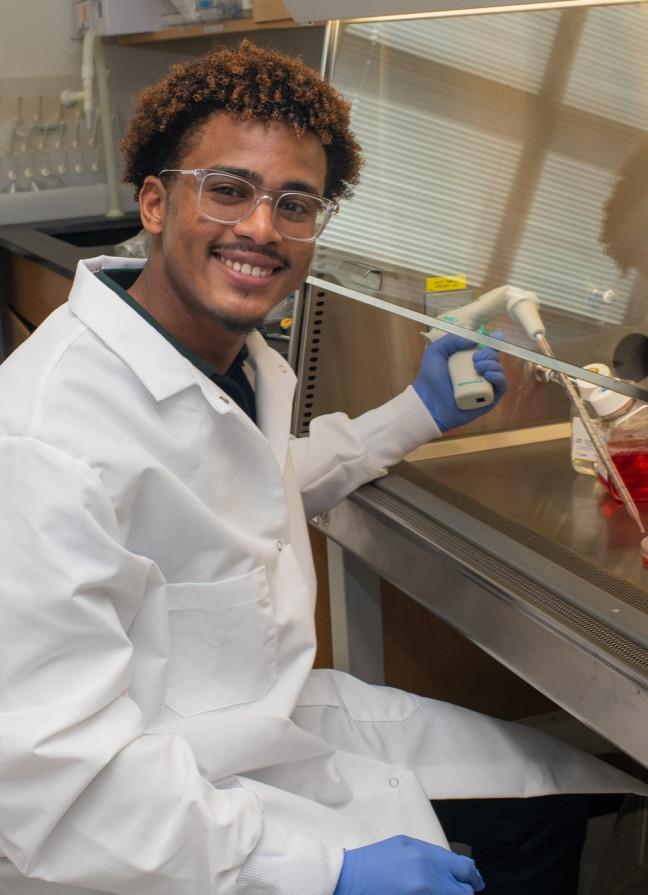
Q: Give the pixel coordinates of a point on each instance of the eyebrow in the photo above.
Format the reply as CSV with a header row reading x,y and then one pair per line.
x,y
300,185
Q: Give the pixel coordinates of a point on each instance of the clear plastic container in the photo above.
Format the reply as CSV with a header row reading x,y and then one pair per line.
x,y
626,435
583,453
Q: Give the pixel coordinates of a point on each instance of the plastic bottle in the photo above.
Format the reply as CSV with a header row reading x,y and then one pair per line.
x,y
626,433
583,453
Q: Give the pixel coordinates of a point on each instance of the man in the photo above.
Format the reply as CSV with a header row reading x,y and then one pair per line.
x,y
162,731
625,215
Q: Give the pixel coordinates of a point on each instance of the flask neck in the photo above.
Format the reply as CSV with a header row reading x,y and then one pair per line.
x,y
626,410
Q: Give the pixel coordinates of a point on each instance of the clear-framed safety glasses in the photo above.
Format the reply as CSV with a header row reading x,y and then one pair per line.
x,y
229,199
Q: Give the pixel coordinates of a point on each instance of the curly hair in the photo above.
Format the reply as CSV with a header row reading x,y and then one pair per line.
x,y
625,215
248,83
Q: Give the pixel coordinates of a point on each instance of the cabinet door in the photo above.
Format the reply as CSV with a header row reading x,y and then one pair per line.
x,y
14,331
32,291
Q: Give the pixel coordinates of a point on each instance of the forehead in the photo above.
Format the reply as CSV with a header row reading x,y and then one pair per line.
x,y
272,150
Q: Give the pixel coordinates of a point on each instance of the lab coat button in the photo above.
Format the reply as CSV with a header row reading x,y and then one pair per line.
x,y
279,546
224,399
283,369
393,781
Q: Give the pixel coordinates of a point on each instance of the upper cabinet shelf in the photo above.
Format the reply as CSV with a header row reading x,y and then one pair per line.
x,y
228,26
266,15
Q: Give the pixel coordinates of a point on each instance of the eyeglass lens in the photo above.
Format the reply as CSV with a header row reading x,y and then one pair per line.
x,y
230,199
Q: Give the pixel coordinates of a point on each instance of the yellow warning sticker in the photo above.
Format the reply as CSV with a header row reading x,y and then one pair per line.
x,y
446,284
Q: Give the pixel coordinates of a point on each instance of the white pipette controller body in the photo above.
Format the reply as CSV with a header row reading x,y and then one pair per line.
x,y
469,388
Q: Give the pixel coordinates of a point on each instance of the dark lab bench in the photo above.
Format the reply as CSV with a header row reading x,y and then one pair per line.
x,y
37,264
59,245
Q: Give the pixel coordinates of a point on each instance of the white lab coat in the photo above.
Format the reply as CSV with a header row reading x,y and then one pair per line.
x,y
162,732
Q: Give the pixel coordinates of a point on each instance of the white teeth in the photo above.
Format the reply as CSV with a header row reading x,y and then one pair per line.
x,y
247,269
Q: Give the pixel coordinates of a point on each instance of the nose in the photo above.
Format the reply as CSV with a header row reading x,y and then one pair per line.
x,y
258,224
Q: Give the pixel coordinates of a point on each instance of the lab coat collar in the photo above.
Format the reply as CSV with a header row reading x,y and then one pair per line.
x,y
274,389
154,361
163,370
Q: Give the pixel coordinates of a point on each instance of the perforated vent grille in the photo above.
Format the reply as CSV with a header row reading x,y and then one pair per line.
x,y
314,340
547,548
488,568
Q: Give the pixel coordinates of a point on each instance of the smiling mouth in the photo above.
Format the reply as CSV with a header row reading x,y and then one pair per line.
x,y
249,270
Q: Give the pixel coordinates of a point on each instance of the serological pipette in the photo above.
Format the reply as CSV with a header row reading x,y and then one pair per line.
x,y
595,436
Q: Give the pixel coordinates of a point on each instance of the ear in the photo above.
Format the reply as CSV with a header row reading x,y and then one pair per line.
x,y
152,203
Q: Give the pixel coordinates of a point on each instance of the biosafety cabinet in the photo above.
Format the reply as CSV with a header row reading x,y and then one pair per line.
x,y
506,147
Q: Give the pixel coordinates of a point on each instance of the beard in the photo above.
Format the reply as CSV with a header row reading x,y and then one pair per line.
x,y
235,324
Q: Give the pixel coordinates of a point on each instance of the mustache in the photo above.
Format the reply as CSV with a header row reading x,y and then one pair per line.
x,y
270,253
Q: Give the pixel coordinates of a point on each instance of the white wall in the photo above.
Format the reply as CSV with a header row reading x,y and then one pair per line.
x,y
38,41
36,38
40,56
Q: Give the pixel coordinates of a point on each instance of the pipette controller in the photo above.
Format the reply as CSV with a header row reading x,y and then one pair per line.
x,y
469,388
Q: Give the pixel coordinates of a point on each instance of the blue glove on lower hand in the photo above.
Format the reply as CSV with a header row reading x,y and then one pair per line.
x,y
404,866
434,387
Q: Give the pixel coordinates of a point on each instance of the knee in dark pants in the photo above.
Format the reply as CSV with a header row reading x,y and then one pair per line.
x,y
521,846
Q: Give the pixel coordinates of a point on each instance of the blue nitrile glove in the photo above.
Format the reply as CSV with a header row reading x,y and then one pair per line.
x,y
434,387
404,866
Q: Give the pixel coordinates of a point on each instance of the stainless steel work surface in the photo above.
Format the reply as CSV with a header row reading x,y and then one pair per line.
x,y
532,488
527,559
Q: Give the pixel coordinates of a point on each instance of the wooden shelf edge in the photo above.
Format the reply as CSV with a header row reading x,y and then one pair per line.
x,y
209,29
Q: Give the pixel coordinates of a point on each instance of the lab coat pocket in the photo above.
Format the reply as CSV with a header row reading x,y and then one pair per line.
x,y
223,643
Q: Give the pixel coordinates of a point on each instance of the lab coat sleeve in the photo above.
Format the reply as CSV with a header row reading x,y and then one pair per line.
x,y
283,862
340,453
87,798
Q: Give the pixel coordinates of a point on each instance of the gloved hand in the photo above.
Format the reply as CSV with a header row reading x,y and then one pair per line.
x,y
405,866
434,387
